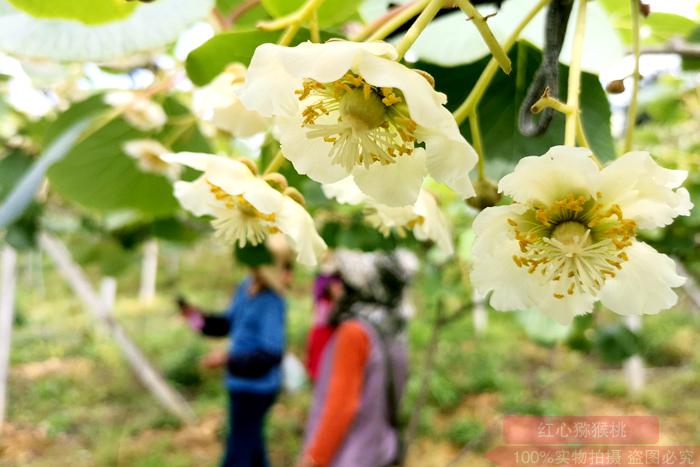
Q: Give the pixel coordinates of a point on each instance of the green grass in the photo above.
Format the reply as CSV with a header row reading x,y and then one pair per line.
x,y
74,402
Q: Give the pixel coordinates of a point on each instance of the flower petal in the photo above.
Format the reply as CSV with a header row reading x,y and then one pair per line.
x,y
493,266
396,184
344,191
308,155
645,283
435,226
449,161
195,196
450,157
296,223
275,72
513,287
646,192
544,179
263,197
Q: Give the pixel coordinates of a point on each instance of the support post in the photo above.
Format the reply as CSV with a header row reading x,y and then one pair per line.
x,y
149,271
635,373
480,313
151,379
8,283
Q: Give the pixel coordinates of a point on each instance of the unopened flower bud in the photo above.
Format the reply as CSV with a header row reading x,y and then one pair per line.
x,y
250,164
295,195
427,76
487,195
276,181
616,86
644,9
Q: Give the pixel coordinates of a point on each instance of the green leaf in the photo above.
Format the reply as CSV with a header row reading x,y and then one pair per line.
x,y
93,30
331,12
97,174
212,57
205,62
12,167
498,110
660,26
541,328
23,192
85,11
451,40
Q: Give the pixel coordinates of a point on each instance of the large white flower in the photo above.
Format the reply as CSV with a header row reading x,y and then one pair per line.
x,y
148,154
219,104
139,111
569,238
424,218
245,207
346,108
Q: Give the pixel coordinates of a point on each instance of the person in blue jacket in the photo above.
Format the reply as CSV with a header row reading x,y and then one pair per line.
x,y
255,323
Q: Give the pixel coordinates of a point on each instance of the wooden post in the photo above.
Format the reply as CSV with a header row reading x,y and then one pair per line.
x,y
151,379
8,283
480,313
635,374
149,271
108,292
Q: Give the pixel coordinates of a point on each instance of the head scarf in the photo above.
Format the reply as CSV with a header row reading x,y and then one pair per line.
x,y
375,287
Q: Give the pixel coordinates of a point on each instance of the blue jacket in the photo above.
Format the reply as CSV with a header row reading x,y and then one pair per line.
x,y
256,326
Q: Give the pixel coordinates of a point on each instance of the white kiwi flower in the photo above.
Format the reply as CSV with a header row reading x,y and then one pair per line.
x,y
424,218
349,109
219,104
569,238
148,154
246,208
139,111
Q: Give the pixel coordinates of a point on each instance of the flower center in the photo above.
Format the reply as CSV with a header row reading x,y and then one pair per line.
x,y
238,221
576,243
572,234
363,123
362,112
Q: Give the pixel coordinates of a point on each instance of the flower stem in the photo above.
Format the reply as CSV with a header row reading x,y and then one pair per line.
x,y
478,145
293,21
496,50
426,16
632,109
288,35
275,163
581,135
477,93
574,91
394,22
297,17
313,28
390,21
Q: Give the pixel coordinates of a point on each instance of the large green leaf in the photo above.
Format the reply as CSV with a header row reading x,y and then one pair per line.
x,y
451,40
23,192
97,174
498,111
85,11
12,166
210,59
659,27
331,11
93,30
